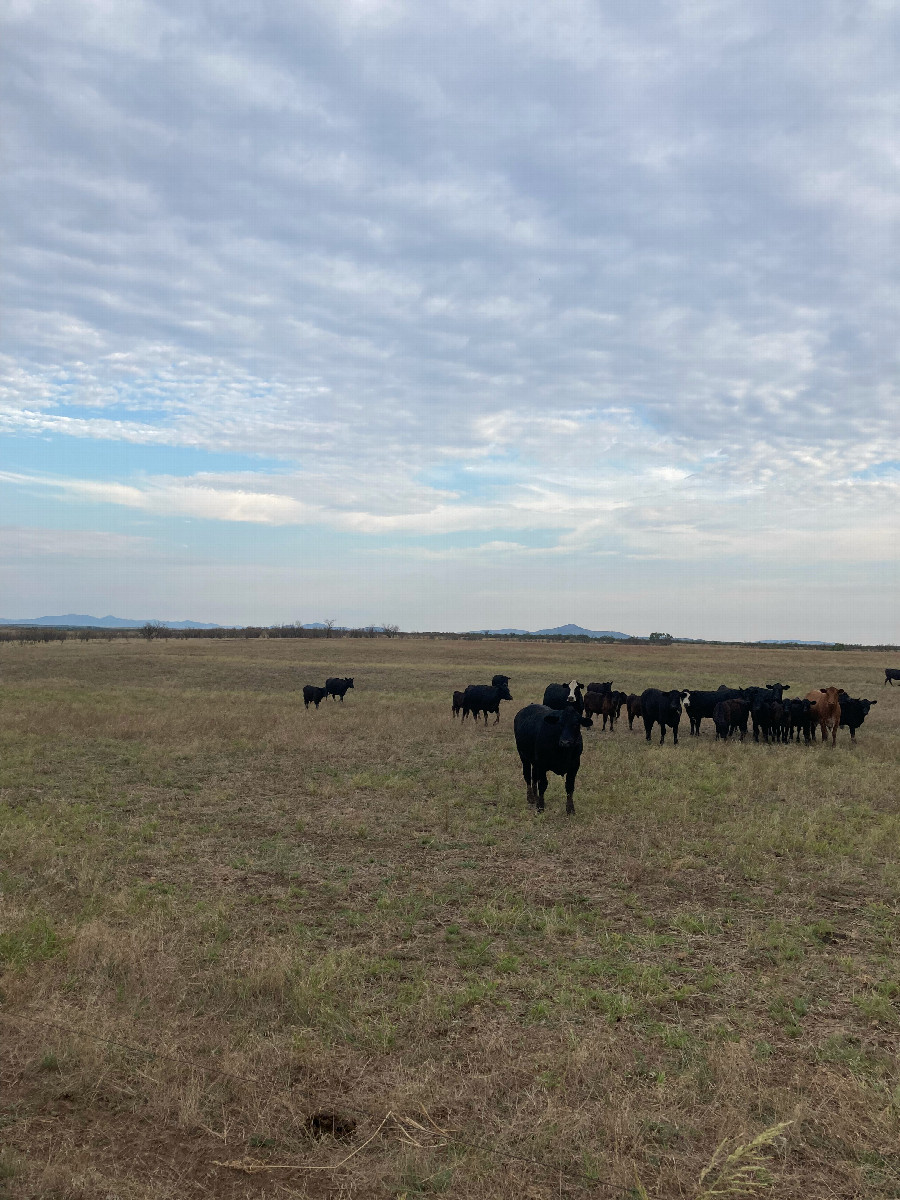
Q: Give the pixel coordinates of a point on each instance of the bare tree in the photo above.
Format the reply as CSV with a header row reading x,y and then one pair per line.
x,y
153,629
329,624
390,630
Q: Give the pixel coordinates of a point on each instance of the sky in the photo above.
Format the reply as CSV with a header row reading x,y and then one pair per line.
x,y
453,315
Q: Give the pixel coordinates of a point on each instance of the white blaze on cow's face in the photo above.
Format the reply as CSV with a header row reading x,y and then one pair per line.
x,y
572,685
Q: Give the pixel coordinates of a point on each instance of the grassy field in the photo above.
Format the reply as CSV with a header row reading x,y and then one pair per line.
x,y
249,950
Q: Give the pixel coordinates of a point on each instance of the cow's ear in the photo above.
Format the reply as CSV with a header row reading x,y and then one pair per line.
x,y
551,719
873,701
686,693
587,722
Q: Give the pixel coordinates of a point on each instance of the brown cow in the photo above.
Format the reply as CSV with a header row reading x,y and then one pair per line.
x,y
607,705
826,709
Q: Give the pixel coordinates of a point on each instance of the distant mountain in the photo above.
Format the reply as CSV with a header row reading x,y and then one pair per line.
x,y
788,642
80,620
580,631
559,631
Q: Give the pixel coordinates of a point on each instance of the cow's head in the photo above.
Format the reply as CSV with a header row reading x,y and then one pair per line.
x,y
570,724
504,692
349,682
574,687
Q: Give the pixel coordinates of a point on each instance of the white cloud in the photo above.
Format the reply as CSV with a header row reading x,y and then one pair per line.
x,y
622,276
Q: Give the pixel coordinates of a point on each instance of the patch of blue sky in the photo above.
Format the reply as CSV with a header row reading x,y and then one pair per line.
x,y
468,539
880,470
479,478
102,459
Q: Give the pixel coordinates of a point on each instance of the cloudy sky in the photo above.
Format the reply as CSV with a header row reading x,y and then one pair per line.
x,y
454,314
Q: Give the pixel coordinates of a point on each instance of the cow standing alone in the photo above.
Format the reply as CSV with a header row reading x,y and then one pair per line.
x,y
549,739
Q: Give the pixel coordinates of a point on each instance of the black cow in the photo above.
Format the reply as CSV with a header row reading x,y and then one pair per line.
x,y
633,709
500,681
703,704
854,712
762,712
313,695
338,687
458,703
798,718
603,688
484,698
730,716
549,739
662,708
890,674
561,695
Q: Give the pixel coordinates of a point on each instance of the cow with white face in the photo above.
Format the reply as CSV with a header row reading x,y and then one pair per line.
x,y
565,695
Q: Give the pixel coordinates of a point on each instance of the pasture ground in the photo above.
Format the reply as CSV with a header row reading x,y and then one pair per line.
x,y
336,951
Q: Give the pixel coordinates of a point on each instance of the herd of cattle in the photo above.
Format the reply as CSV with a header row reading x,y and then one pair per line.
x,y
548,735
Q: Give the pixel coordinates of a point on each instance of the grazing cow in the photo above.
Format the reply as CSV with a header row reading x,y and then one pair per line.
x,y
558,695
549,739
600,687
484,698
853,713
458,703
826,706
313,695
500,681
729,716
338,687
662,708
633,709
890,674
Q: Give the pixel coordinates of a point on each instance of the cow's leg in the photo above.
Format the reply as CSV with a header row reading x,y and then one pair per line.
x,y
497,718
662,732
648,727
528,772
570,791
542,787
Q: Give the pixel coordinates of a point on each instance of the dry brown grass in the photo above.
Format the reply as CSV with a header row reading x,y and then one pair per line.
x,y
228,922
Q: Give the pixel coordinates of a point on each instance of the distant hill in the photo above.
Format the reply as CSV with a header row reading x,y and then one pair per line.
x,y
788,642
560,631
580,631
80,621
